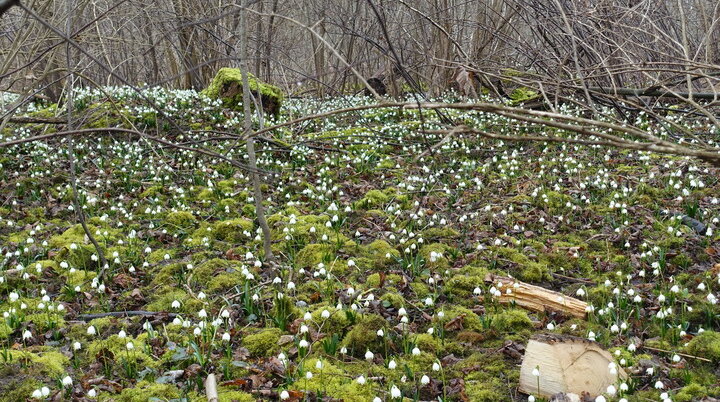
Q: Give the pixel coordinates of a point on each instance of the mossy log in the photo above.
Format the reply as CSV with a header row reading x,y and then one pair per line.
x,y
567,364
227,86
536,298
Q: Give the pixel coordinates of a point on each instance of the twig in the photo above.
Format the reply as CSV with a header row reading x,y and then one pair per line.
x,y
571,279
677,353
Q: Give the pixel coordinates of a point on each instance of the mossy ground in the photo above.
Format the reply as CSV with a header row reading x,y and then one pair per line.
x,y
380,262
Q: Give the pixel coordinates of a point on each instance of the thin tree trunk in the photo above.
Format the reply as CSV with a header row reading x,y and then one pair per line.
x,y
69,99
252,160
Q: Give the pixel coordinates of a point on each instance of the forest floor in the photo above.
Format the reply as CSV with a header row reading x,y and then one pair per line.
x,y
382,250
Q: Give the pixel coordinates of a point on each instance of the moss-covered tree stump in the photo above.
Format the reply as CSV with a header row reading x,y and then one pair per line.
x,y
227,86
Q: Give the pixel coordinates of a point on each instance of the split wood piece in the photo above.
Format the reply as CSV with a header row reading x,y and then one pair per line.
x,y
566,364
536,298
211,388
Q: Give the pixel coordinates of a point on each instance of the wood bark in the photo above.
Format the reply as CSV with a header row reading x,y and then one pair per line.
x,y
536,298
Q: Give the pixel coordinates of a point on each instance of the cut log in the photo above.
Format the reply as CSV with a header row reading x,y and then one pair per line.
x,y
536,298
566,364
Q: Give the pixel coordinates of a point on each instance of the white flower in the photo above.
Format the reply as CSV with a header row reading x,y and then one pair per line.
x,y
319,365
613,368
77,346
550,326
402,311
122,334
611,390
226,337
325,314
26,335
175,304
676,358
436,366
392,365
37,394
536,372
369,355
395,392
416,351
303,343
600,398
130,346
309,375
284,395
91,330
67,381
307,316
13,296
202,313
425,380
360,380
45,391
92,393
380,332
659,385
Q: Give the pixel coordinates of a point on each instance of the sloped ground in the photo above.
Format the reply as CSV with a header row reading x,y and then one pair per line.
x,y
380,289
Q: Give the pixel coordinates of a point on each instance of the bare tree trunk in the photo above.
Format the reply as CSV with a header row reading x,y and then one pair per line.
x,y
69,99
187,40
268,42
252,160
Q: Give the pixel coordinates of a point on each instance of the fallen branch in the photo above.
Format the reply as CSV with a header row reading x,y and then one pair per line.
x,y
656,93
536,298
131,313
37,120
